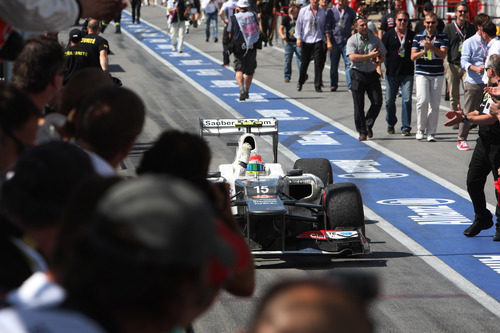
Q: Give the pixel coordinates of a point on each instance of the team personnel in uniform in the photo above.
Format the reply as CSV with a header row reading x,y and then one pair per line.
x,y
266,9
366,52
428,9
429,49
310,32
117,20
96,46
486,156
136,11
225,13
399,72
388,21
245,39
287,31
75,56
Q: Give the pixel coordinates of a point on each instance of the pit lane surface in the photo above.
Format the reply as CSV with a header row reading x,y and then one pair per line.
x,y
418,292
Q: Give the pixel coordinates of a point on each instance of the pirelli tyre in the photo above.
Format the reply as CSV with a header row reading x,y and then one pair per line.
x,y
320,167
344,207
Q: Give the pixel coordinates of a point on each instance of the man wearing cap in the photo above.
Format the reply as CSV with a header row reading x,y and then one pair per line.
x,y
245,40
154,233
75,56
310,32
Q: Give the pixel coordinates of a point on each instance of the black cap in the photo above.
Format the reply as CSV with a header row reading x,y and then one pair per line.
x,y
75,35
428,6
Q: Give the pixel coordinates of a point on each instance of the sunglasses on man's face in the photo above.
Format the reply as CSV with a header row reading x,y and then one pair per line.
x,y
402,20
430,22
462,11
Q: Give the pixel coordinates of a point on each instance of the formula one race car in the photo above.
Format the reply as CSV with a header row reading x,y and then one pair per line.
x,y
297,212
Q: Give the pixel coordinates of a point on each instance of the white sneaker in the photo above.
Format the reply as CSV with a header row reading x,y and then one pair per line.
x,y
419,135
463,145
431,138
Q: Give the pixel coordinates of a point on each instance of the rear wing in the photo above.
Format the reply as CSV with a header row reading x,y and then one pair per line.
x,y
257,126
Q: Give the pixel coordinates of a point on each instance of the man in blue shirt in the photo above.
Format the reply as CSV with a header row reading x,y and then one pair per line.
x,y
340,20
429,49
472,61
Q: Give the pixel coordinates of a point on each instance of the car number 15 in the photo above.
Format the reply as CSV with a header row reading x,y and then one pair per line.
x,y
261,189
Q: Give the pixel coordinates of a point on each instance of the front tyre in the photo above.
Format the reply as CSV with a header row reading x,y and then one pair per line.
x,y
344,207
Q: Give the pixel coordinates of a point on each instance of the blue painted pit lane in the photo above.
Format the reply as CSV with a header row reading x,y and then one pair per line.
x,y
426,211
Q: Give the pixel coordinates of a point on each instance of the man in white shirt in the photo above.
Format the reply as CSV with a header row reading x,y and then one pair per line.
x,y
310,32
211,8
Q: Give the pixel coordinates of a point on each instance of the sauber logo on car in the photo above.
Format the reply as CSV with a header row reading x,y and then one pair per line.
x,y
234,122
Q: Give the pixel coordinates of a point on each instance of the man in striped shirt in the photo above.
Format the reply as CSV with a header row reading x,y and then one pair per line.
x,y
429,49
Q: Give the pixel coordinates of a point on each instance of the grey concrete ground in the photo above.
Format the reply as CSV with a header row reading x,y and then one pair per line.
x,y
413,296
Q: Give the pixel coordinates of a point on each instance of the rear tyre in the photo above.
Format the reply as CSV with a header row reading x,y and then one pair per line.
x,y
320,167
344,207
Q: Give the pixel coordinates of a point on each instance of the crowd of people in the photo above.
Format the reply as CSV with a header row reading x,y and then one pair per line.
x,y
75,235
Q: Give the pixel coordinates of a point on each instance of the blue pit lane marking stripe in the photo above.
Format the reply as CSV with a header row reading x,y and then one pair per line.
x,y
444,241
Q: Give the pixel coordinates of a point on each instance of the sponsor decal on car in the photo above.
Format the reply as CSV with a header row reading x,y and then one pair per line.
x,y
328,234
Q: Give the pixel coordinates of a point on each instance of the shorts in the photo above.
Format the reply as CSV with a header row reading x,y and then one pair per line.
x,y
246,63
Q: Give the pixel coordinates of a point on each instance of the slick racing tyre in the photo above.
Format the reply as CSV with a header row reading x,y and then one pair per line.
x,y
344,207
320,167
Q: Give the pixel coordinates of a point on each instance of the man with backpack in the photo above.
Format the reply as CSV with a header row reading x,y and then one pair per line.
x,y
245,40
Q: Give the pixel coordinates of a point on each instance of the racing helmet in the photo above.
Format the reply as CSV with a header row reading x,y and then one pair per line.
x,y
255,166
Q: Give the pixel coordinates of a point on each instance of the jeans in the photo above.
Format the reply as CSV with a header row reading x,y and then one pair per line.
x,y
290,49
210,17
339,49
393,82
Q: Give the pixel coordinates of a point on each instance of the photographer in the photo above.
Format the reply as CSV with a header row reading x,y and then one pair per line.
x,y
178,11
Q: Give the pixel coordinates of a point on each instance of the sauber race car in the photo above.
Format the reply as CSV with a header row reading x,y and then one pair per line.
x,y
299,211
